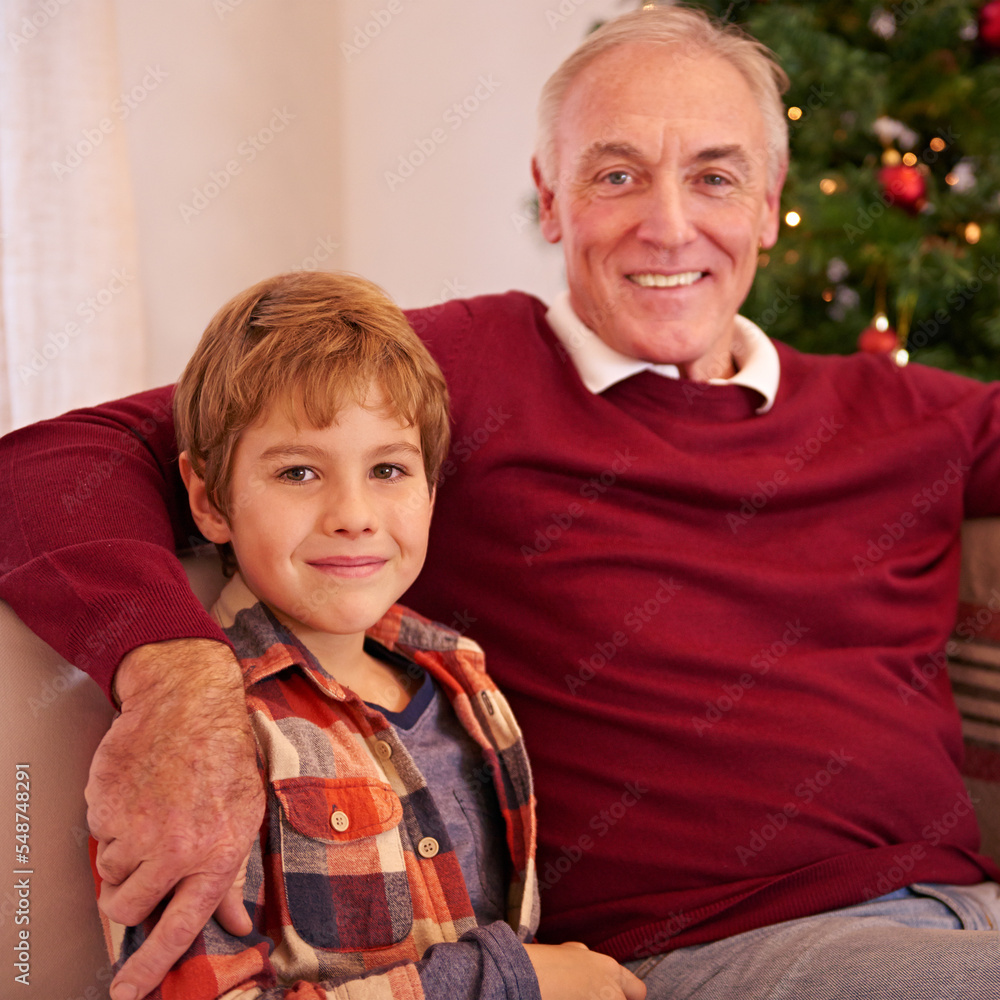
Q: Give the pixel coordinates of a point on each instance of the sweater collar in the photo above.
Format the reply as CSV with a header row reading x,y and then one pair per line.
x,y
600,366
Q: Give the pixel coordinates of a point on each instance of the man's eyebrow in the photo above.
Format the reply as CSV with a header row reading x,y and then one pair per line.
x,y
735,154
603,150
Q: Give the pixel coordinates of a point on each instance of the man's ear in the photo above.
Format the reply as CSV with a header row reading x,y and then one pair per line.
x,y
548,217
772,221
210,522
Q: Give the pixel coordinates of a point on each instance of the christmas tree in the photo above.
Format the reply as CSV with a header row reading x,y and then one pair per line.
x,y
890,237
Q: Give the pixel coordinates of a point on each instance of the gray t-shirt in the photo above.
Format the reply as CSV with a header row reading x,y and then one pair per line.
x,y
462,789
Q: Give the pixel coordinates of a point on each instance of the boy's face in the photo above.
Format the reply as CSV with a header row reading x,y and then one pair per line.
x,y
329,526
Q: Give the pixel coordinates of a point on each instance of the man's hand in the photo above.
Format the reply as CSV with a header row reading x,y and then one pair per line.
x,y
571,971
175,801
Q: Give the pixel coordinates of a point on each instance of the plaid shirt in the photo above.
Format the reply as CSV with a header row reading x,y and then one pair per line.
x,y
354,877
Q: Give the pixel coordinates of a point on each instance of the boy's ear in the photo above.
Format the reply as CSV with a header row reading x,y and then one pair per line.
x,y
210,522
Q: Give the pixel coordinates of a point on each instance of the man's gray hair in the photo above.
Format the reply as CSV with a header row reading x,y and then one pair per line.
x,y
691,32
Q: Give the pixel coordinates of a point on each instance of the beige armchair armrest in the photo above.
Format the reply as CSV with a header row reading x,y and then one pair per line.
x,y
53,718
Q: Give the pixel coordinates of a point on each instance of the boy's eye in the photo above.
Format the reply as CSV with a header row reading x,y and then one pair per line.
x,y
385,470
297,474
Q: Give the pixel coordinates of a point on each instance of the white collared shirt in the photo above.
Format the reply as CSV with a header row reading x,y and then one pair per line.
x,y
600,366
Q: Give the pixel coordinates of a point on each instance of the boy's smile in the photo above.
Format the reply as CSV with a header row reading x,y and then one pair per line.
x,y
329,525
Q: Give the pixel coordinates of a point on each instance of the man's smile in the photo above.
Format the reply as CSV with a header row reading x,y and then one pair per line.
x,y
651,280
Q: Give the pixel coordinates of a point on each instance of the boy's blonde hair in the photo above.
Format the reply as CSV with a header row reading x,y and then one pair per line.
x,y
313,342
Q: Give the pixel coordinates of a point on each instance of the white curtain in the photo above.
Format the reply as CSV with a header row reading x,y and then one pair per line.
x,y
71,330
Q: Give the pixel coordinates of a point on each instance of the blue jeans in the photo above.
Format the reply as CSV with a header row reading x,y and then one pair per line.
x,y
926,942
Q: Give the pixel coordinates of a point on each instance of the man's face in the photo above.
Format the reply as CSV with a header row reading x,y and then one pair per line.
x,y
661,201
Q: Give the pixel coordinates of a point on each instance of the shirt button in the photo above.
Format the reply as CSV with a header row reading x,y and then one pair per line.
x,y
383,749
428,847
339,821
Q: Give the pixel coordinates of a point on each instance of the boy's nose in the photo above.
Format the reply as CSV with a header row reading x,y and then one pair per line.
x,y
349,512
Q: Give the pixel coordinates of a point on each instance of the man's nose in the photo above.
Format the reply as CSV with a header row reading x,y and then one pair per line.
x,y
666,220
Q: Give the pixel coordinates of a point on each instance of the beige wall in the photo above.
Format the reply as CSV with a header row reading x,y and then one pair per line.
x,y
357,84
246,113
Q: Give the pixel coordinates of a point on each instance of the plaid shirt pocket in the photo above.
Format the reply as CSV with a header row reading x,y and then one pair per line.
x,y
344,868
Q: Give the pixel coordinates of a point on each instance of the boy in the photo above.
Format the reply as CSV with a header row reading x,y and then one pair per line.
x,y
312,424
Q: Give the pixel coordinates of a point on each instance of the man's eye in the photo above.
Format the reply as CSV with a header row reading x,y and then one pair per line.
x,y
297,474
618,177
385,470
716,180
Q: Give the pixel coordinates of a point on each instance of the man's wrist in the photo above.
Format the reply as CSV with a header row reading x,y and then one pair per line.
x,y
160,669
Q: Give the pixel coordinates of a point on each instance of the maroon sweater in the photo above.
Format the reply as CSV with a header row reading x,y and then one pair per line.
x,y
722,633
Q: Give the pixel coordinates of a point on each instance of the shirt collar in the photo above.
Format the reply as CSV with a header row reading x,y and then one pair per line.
x,y
600,366
263,646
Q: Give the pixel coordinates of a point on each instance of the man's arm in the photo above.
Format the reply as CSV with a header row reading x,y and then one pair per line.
x,y
175,801
91,510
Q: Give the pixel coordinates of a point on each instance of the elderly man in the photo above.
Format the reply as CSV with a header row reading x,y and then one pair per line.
x,y
743,789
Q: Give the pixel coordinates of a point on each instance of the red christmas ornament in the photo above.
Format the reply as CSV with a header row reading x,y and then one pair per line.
x,y
877,341
904,186
989,24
